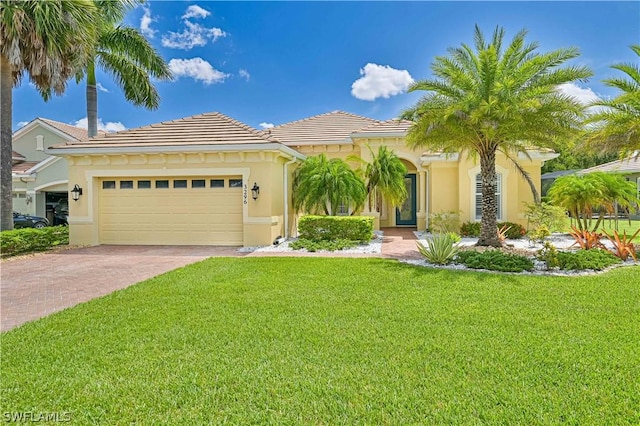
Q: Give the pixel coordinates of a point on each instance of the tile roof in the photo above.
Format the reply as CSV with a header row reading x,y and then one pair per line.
x,y
388,126
210,128
73,131
331,127
630,164
16,156
23,167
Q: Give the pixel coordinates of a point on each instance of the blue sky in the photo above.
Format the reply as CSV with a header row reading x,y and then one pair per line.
x,y
272,62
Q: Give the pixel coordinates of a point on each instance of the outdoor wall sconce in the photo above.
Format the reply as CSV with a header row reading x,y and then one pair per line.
x,y
29,199
255,191
76,192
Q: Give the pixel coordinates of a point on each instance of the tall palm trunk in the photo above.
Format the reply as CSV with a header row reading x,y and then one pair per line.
x,y
488,230
6,117
92,101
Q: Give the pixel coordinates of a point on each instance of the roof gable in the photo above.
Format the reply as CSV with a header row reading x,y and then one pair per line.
x,y
331,127
211,128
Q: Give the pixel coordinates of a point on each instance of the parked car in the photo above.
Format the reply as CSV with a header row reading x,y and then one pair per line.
x,y
27,221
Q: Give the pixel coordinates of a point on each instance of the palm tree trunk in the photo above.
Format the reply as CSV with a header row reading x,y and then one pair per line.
x,y
92,101
488,228
6,118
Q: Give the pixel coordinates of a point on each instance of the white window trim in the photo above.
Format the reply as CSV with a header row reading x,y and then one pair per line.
x,y
503,175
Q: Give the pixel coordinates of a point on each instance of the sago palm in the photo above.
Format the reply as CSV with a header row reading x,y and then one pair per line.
x,y
495,98
616,127
47,41
125,54
321,186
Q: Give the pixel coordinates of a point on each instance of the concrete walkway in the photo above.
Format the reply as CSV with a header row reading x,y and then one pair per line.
x,y
35,286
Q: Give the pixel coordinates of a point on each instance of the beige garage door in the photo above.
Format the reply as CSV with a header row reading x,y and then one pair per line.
x,y
177,210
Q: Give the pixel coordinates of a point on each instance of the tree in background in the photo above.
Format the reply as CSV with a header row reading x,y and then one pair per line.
x,y
616,127
323,186
495,98
125,54
48,41
598,192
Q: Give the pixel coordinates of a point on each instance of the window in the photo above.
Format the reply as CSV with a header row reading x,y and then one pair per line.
x,y
198,183
180,183
235,183
108,184
19,195
217,183
126,184
479,196
162,184
144,184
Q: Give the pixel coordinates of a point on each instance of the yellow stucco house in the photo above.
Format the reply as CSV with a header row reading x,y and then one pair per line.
x,y
212,180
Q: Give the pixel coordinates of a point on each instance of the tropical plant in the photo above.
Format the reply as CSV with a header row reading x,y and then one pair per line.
x,y
598,192
495,99
384,178
470,229
586,239
546,215
616,126
622,247
440,249
549,255
445,221
539,234
125,54
323,186
48,41
502,233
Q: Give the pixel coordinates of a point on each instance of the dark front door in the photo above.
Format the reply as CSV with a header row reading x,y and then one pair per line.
x,y
406,213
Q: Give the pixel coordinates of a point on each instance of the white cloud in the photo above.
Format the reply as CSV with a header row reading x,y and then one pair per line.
x,y
195,11
582,95
265,125
109,126
244,74
380,81
21,124
192,36
198,69
145,23
102,88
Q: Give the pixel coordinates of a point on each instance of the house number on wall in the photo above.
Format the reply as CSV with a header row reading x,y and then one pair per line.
x,y
245,193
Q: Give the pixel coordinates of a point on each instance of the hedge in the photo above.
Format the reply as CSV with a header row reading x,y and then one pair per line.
x,y
328,228
28,240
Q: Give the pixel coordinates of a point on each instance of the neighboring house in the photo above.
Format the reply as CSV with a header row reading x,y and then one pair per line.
x,y
39,179
549,178
628,167
190,181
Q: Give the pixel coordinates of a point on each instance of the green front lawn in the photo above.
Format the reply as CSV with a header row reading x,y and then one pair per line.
x,y
336,341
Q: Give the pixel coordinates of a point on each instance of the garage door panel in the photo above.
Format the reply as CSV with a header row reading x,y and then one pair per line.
x,y
211,216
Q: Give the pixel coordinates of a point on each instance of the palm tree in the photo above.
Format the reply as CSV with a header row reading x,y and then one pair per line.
x,y
384,177
616,127
125,54
323,186
495,99
48,41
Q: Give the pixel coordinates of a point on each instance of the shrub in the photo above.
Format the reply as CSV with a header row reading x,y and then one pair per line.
x,y
623,247
443,222
329,228
470,229
495,260
586,239
549,255
440,249
513,231
539,234
28,240
547,215
596,259
312,246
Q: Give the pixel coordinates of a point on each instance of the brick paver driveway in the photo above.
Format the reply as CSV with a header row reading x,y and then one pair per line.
x,y
35,286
